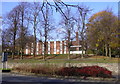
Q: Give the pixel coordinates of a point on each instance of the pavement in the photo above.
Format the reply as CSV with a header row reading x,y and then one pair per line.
x,y
9,78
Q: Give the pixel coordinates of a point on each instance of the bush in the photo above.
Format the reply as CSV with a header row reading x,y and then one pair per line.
x,y
116,52
90,51
37,69
87,71
67,71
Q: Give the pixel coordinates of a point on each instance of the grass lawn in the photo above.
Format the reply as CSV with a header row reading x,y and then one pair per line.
x,y
5,69
63,59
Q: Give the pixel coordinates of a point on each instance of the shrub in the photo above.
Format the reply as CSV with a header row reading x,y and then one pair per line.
x,y
90,51
37,69
67,71
87,71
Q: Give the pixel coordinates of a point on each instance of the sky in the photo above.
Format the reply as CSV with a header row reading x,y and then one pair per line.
x,y
95,6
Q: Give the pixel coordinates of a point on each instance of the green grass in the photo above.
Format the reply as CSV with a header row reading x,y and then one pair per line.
x,y
84,60
62,58
23,61
5,69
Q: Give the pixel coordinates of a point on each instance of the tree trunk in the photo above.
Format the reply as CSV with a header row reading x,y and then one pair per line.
x,y
68,53
69,42
109,52
34,27
18,53
44,50
21,53
34,51
12,55
106,50
82,54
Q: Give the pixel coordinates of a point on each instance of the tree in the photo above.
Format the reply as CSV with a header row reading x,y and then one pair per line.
x,y
24,12
81,25
35,20
28,39
59,5
12,20
45,10
102,27
7,41
0,37
68,24
46,24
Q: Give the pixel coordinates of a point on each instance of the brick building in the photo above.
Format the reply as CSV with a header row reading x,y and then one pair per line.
x,y
55,47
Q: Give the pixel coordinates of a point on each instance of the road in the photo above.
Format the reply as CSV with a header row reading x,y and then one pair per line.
x,y
8,78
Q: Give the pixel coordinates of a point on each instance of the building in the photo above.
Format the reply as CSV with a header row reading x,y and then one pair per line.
x,y
55,47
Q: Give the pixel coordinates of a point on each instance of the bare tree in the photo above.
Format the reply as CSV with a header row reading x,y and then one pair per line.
x,y
68,25
59,5
35,20
12,20
24,11
46,11
7,41
83,11
46,24
81,24
0,34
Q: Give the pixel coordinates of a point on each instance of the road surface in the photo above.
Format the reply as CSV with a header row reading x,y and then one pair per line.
x,y
8,78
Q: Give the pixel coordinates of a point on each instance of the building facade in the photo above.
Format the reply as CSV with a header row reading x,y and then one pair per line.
x,y
55,47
